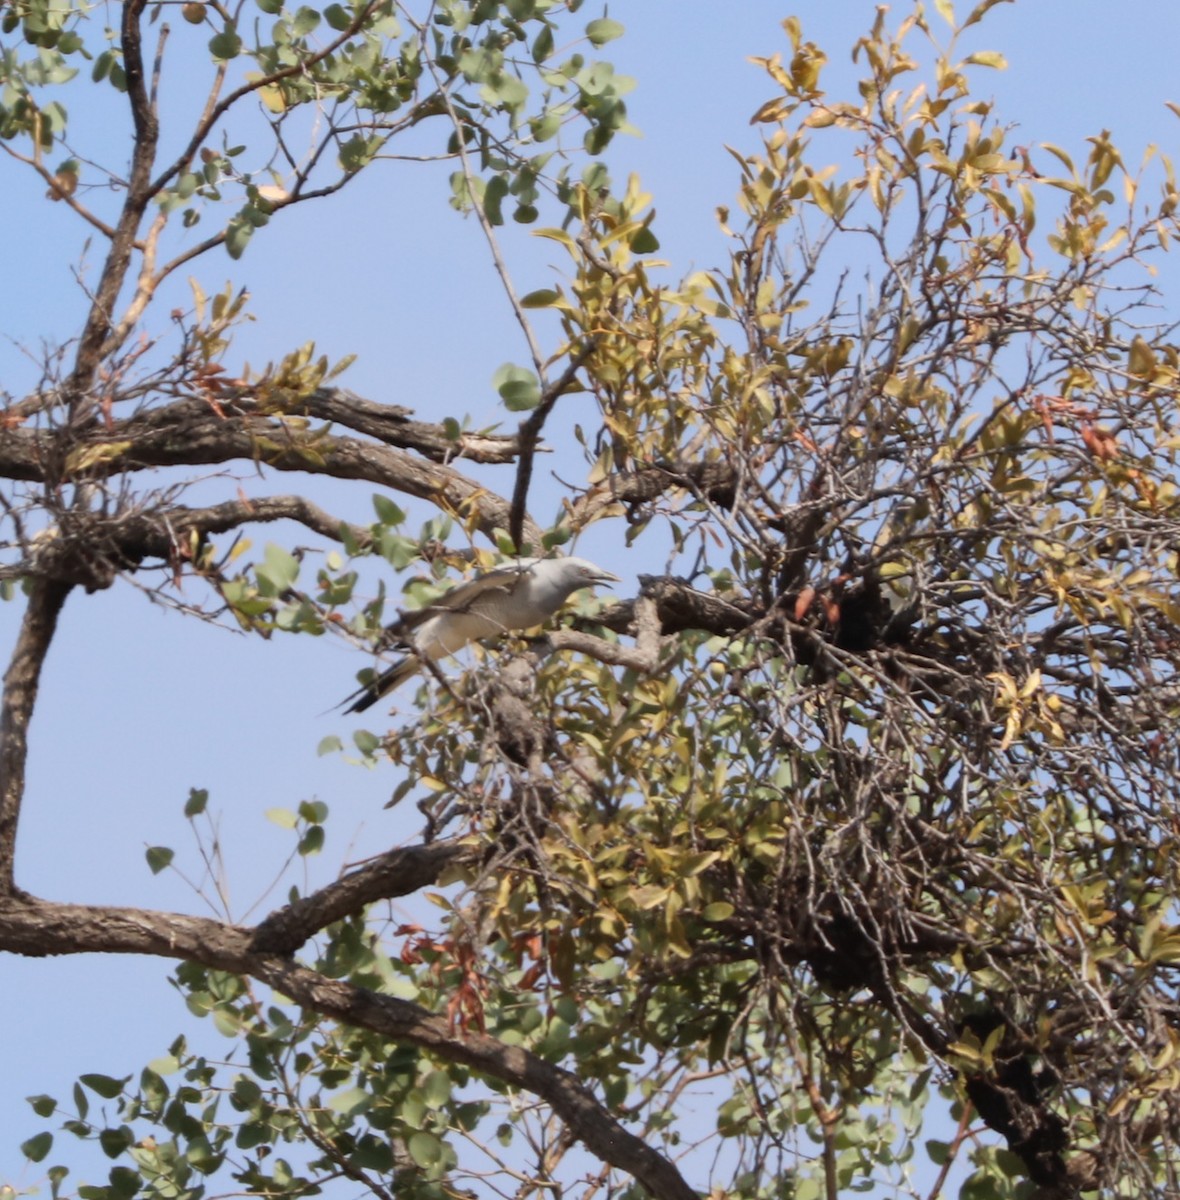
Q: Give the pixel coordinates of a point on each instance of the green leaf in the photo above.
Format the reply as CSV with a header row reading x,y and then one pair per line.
x,y
253,1133
367,743
115,1141
543,45
358,152
397,549
197,799
43,1106
103,1085
158,857
238,233
305,21
329,745
436,1089
225,45
312,841
388,513
545,126
279,570
494,192
425,1149
227,1022
124,1182
604,30
937,1151
201,1155
284,818
37,1147
353,1100
542,298
519,388
315,812
372,1154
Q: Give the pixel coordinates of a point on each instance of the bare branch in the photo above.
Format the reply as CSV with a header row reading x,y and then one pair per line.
x,y
486,225
398,872
529,434
645,658
56,191
98,321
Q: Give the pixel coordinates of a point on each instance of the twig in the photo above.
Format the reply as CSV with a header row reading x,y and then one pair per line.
x,y
486,226
530,433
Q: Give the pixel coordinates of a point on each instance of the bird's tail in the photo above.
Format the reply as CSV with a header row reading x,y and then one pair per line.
x,y
380,685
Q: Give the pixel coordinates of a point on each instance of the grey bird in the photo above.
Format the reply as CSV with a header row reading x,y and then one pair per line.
x,y
516,596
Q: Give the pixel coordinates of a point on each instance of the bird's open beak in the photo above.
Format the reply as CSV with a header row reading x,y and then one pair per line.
x,y
606,577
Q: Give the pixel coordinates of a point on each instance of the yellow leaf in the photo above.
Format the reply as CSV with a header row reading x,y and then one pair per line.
x,y
773,110
273,98
988,58
87,457
819,118
1031,684
1141,360
1007,687
964,1050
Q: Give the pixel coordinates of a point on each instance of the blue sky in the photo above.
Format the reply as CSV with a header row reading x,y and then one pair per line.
x,y
138,705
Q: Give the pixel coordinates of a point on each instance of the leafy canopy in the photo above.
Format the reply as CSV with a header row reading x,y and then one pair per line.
x,y
840,857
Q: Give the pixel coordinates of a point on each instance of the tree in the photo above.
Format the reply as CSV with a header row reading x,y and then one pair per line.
x,y
864,815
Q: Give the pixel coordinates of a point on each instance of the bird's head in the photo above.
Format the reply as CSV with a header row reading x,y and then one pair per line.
x,y
576,573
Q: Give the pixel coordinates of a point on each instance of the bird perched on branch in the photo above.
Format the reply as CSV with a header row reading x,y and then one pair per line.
x,y
516,596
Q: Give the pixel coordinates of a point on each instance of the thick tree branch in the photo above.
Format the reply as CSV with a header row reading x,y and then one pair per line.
x,y
191,432
395,426
399,872
21,680
644,658
680,607
713,481
37,929
88,549
157,533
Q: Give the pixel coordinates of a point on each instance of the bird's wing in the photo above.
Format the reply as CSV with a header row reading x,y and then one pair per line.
x,y
463,595
459,600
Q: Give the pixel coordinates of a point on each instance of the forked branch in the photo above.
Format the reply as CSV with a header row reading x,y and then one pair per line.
x,y
36,928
